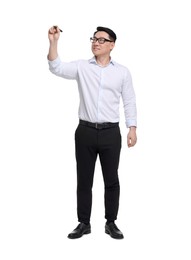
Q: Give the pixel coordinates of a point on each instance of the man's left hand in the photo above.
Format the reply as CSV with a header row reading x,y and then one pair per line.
x,y
132,137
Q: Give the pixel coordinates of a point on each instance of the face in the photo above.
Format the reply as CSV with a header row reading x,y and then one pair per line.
x,y
99,49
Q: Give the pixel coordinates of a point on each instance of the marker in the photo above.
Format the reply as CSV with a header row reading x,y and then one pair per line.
x,y
55,27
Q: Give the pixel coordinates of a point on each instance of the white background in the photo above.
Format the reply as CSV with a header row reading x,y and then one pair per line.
x,y
38,117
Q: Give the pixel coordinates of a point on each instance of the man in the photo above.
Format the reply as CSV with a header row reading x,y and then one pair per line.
x,y
101,83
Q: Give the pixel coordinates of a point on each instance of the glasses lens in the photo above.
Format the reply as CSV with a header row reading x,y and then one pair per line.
x,y
101,40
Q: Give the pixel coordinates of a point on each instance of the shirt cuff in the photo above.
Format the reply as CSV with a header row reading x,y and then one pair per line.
x,y
130,123
54,62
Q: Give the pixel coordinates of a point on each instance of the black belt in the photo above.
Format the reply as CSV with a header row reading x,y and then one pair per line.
x,y
98,125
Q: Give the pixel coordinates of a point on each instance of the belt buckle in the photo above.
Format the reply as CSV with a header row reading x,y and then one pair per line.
x,y
99,126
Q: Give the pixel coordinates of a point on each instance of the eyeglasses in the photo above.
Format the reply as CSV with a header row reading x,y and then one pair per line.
x,y
101,40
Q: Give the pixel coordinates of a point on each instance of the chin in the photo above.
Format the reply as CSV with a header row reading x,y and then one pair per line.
x,y
96,52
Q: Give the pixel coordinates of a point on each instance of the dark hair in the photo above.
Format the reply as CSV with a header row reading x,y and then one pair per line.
x,y
111,33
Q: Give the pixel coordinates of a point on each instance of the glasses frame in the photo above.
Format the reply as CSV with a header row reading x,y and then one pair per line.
x,y
100,40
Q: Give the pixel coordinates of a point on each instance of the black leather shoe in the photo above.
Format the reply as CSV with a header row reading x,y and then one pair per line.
x,y
112,230
80,230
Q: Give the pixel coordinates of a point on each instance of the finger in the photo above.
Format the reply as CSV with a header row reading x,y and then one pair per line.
x,y
51,30
131,142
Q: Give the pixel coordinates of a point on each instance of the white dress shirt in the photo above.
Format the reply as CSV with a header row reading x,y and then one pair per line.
x,y
100,89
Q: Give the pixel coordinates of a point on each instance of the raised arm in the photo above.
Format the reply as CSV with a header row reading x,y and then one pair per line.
x,y
53,36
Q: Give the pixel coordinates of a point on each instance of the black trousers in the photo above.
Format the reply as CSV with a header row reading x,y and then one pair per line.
x,y
90,143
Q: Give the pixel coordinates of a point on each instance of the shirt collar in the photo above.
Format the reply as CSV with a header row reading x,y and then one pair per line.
x,y
93,60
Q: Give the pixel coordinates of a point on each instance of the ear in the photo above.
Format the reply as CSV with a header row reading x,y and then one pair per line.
x,y
112,46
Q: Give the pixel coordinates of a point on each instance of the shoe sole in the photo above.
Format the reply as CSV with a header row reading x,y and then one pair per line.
x,y
85,233
107,232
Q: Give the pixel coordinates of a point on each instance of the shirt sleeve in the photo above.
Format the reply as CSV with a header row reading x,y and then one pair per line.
x,y
67,70
129,100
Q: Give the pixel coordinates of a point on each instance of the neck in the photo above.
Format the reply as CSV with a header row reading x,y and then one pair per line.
x,y
103,60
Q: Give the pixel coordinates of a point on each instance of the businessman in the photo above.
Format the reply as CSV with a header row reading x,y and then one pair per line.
x,y
101,83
